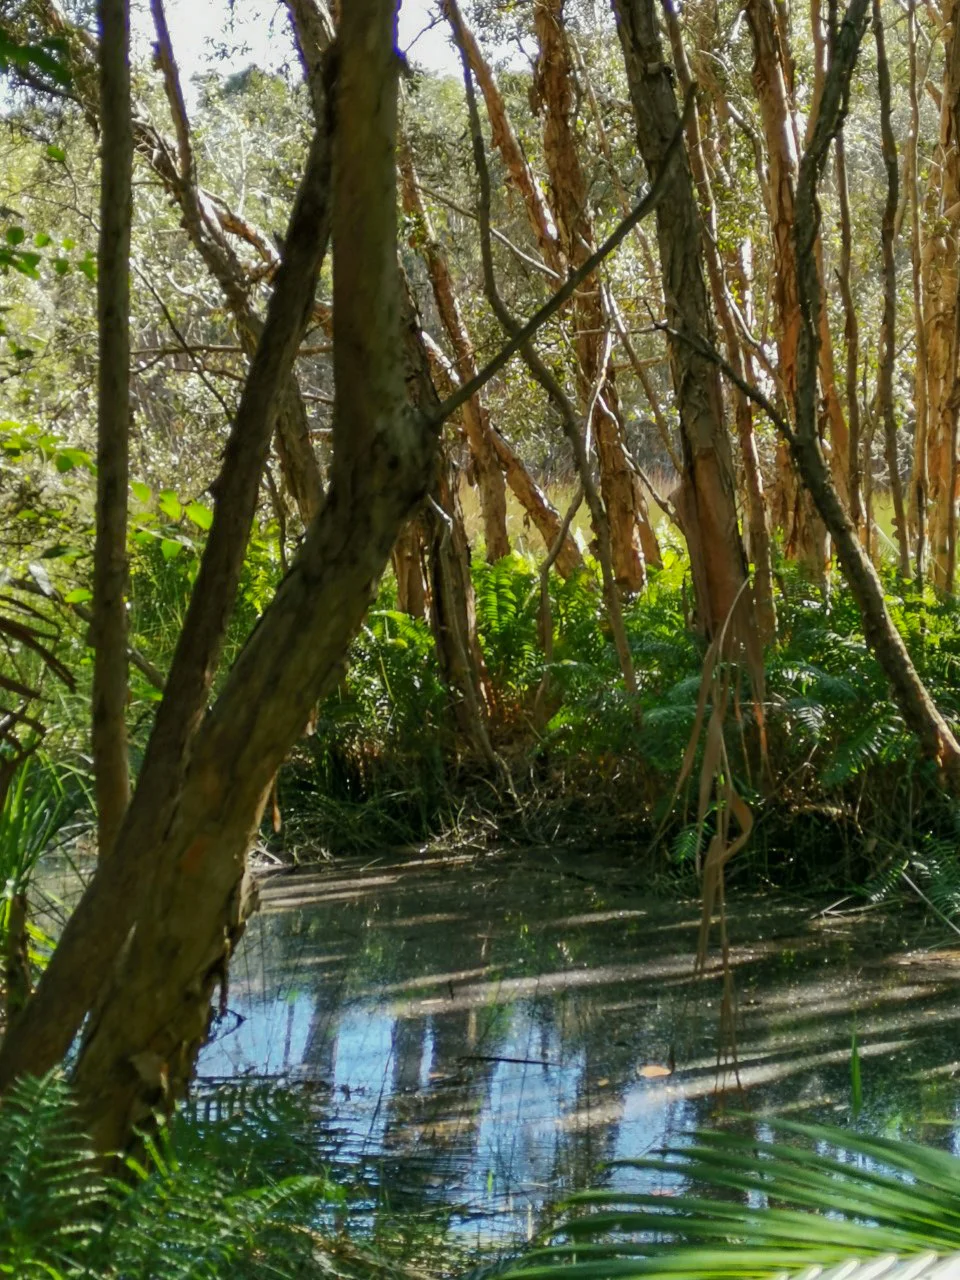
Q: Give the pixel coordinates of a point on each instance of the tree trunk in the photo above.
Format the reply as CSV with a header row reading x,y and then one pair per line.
x,y
708,506
887,355
110,689
851,333
632,539
453,617
506,142
758,536
917,506
914,701
140,1046
452,609
95,932
771,81
408,556
940,286
476,422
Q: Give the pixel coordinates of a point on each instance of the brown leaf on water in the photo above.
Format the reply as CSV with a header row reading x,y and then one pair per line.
x,y
653,1071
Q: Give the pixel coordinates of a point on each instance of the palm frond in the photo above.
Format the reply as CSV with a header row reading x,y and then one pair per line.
x,y
755,1206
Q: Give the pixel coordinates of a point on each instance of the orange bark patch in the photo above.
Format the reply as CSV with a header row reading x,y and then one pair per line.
x,y
196,852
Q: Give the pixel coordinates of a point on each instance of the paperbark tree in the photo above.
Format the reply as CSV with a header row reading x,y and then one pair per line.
x,y
941,280
916,705
887,356
633,542
109,733
489,478
756,508
804,534
565,237
707,503
917,506
493,457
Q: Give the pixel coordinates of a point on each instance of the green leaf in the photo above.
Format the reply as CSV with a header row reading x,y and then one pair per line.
x,y
201,515
16,235
170,504
78,596
56,153
41,239
61,266
142,492
170,548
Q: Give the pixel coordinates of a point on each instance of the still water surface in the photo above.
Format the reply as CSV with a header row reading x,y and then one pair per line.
x,y
482,1034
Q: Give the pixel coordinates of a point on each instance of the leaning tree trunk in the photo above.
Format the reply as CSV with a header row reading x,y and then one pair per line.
x,y
707,508
914,700
153,997
633,542
96,931
109,732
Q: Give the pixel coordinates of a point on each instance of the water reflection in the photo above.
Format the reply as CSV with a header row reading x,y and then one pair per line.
x,y
487,1034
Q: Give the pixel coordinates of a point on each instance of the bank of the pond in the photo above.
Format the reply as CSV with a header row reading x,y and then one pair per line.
x,y
839,791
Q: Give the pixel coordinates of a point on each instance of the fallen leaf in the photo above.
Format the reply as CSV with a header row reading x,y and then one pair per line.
x,y
653,1071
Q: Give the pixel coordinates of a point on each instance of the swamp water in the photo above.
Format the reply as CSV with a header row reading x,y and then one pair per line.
x,y
478,1035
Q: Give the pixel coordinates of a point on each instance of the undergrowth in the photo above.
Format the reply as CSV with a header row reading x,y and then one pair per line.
x,y
235,1187
841,791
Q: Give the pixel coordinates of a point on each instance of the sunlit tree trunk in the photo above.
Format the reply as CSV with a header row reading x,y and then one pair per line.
x,y
109,733
771,76
888,327
707,506
633,541
940,285
756,512
476,423
851,334
152,999
166,814
917,506
408,568
913,698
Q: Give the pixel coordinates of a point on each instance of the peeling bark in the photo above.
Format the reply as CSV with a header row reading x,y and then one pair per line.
x,y
911,694
917,506
756,511
476,423
941,281
506,142
888,327
566,242
707,505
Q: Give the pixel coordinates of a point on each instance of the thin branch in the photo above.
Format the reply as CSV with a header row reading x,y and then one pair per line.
x,y
566,291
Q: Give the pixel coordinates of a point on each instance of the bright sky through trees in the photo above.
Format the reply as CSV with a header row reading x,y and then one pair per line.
x,y
217,34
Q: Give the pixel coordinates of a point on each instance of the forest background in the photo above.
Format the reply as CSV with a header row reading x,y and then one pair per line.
x,y
681,572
